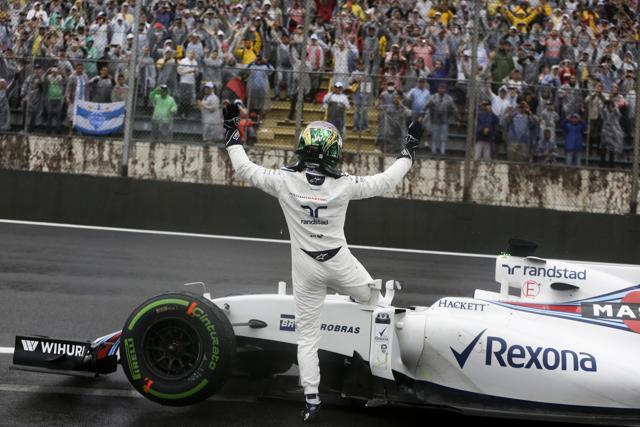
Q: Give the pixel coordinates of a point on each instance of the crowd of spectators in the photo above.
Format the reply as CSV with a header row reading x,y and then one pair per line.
x,y
549,70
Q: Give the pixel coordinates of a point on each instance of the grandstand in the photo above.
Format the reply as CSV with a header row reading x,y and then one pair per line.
x,y
581,52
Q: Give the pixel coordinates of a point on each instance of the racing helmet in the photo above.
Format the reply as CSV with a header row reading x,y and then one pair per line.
x,y
321,143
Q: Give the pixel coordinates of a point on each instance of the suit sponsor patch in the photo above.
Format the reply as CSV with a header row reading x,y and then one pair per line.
x,y
315,179
322,256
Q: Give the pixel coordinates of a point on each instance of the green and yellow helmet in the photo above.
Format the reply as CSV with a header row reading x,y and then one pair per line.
x,y
321,143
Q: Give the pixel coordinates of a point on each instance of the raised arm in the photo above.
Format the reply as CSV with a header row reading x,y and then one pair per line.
x,y
363,187
268,180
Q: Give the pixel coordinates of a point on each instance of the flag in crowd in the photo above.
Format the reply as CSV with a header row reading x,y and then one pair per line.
x,y
96,118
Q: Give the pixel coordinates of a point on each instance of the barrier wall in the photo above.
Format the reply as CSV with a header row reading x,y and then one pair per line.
x,y
216,209
496,183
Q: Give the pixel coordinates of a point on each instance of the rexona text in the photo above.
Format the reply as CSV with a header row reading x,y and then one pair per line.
x,y
528,357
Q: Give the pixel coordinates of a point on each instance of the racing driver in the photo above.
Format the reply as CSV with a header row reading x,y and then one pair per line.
x,y
314,196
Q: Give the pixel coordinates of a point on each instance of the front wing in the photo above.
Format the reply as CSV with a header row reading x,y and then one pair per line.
x,y
52,355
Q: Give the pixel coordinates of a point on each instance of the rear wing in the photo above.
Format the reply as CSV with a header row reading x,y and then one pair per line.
x,y
534,279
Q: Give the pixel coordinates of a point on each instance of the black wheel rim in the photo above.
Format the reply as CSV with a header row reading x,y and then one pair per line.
x,y
171,349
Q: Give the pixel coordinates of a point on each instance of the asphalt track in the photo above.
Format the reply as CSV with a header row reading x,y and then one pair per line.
x,y
81,284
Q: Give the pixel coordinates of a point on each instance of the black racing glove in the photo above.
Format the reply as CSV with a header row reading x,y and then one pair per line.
x,y
231,114
412,141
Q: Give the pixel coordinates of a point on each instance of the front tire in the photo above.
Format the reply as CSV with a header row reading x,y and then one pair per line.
x,y
177,349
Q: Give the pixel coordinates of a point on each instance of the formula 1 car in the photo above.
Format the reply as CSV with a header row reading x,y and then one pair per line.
x,y
559,341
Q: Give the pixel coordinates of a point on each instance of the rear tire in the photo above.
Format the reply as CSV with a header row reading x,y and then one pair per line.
x,y
177,348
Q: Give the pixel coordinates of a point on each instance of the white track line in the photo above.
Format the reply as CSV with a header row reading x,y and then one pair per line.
x,y
6,350
100,392
239,238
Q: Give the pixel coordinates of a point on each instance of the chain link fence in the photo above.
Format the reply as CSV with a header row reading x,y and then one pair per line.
x,y
372,110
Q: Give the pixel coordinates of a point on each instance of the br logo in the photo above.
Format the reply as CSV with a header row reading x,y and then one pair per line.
x,y
313,213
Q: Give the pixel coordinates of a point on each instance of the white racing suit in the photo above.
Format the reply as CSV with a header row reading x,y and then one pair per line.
x,y
314,207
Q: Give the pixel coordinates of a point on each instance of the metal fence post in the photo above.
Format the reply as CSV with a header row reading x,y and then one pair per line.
x,y
633,205
588,153
302,68
27,106
131,94
472,89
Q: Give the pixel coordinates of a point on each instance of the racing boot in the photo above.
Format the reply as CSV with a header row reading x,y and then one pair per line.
x,y
311,408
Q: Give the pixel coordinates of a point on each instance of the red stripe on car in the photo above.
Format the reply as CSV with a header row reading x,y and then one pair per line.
x,y
562,308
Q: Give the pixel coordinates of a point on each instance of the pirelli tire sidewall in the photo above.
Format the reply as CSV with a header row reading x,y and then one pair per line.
x,y
215,355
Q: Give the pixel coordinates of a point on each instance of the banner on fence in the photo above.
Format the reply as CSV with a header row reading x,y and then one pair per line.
x,y
96,118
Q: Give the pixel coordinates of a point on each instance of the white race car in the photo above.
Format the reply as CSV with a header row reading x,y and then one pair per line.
x,y
559,341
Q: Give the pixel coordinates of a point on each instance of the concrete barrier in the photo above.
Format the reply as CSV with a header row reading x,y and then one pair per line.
x,y
217,209
498,183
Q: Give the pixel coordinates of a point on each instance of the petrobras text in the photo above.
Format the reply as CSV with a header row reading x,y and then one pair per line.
x,y
288,323
552,272
346,329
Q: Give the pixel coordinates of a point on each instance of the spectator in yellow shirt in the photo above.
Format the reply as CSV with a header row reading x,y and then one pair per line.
x,y
246,53
589,17
442,14
355,9
493,7
520,15
254,30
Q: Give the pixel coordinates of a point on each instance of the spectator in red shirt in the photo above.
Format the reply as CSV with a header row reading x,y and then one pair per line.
x,y
325,8
566,71
424,50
